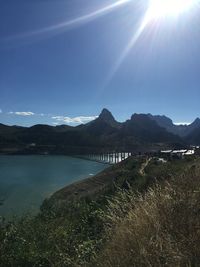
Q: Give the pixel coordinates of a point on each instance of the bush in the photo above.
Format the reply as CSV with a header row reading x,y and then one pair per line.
x,y
50,240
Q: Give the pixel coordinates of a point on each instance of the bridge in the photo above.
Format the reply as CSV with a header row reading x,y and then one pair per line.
x,y
109,158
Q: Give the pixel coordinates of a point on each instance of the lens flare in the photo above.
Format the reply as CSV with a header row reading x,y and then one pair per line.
x,y
162,8
156,10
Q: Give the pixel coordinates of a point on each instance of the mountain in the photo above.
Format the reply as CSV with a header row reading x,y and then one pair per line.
x,y
105,124
181,130
142,127
139,133
195,125
143,132
194,137
107,117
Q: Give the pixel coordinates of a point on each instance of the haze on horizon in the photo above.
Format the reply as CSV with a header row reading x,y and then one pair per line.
x,y
63,62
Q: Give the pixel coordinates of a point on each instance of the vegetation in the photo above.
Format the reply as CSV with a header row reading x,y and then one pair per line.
x,y
51,240
160,228
148,222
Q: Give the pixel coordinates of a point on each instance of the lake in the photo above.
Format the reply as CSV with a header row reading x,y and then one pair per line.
x,y
25,181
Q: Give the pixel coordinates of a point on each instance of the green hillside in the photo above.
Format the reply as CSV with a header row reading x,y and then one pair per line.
x,y
147,214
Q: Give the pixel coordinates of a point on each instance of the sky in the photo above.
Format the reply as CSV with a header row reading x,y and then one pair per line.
x,y
62,62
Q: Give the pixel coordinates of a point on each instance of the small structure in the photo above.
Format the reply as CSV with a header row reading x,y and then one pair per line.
x,y
178,153
161,160
195,147
189,153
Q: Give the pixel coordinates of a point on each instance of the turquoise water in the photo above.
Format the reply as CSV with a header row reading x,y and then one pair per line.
x,y
25,181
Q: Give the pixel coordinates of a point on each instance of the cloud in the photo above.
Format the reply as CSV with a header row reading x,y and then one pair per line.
x,y
57,119
75,120
0,110
182,123
22,113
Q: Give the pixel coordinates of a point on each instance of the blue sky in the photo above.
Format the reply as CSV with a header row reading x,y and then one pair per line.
x,y
62,61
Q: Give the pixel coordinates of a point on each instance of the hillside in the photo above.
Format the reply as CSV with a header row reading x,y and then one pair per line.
x,y
120,175
146,213
158,228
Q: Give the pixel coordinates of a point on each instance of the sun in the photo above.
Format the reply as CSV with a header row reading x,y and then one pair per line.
x,y
163,8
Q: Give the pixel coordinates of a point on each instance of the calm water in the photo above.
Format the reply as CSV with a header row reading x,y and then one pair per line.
x,y
25,181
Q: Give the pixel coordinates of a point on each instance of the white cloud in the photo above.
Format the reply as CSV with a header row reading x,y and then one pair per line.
x,y
28,113
0,110
75,120
22,113
182,123
57,119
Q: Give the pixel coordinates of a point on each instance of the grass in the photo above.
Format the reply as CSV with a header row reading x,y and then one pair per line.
x,y
159,228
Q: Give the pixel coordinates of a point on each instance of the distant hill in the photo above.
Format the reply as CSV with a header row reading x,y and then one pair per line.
x,y
4,129
181,130
143,132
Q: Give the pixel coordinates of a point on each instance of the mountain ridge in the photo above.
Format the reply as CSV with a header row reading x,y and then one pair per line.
x,y
142,132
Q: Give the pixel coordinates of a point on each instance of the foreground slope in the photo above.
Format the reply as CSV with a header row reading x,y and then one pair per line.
x,y
158,228
114,227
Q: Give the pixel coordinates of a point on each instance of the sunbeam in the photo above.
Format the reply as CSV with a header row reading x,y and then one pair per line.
x,y
156,10
127,49
74,22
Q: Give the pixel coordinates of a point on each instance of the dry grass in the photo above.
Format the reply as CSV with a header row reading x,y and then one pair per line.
x,y
161,228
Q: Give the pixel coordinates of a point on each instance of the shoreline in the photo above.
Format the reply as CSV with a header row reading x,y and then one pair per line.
x,y
40,180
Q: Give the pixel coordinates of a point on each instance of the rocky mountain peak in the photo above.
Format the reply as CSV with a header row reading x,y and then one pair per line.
x,y
162,120
106,115
196,122
139,117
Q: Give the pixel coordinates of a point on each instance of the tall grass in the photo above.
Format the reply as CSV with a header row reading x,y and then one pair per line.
x,y
160,228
